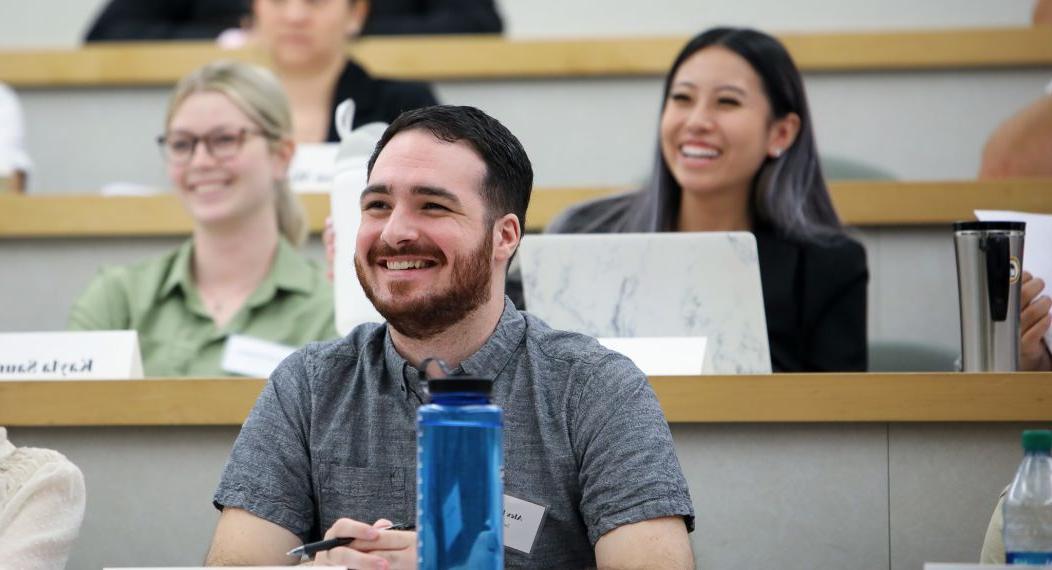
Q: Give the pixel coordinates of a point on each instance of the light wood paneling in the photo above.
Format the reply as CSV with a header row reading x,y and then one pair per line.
x,y
489,57
81,215
883,203
892,203
132,402
943,397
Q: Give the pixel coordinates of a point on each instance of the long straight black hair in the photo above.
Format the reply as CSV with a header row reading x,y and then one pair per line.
x,y
789,192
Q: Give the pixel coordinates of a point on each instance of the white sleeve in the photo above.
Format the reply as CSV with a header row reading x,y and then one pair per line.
x,y
40,521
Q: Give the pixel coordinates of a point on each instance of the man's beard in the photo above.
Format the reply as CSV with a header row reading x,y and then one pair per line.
x,y
436,311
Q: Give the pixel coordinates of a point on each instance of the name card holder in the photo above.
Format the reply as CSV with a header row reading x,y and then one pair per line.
x,y
254,357
313,167
662,356
91,355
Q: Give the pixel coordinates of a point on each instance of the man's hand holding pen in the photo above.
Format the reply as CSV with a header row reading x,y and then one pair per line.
x,y
376,547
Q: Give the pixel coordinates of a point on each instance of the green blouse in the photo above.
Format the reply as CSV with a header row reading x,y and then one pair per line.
x,y
292,306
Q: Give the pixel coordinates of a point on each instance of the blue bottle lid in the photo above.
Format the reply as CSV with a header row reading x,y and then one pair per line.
x,y
451,384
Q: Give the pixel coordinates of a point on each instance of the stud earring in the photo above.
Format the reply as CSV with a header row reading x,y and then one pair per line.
x,y
777,153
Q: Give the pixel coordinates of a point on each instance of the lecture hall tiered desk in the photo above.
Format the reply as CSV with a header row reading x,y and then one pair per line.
x,y
786,471
824,470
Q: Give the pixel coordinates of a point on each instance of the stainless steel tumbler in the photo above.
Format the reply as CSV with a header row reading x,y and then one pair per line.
x,y
989,275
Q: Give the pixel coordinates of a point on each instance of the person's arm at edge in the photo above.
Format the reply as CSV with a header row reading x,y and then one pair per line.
x,y
1034,320
1021,145
42,533
660,543
651,531
241,538
258,493
993,551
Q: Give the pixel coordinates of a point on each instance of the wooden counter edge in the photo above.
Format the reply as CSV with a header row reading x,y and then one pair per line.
x,y
788,398
494,57
859,203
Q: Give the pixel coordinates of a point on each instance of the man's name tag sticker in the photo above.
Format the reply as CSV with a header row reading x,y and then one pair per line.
x,y
250,356
522,523
90,355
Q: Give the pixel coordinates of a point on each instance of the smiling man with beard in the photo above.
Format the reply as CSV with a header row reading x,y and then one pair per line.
x,y
330,446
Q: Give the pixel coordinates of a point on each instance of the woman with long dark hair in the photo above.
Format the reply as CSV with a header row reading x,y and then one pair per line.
x,y
737,152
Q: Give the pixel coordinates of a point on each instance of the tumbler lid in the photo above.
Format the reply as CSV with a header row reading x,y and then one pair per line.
x,y
1037,440
982,226
451,384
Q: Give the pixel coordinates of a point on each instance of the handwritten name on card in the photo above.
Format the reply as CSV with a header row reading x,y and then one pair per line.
x,y
522,523
313,167
94,355
63,368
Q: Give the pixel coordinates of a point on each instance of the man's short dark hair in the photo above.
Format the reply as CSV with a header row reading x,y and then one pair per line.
x,y
509,175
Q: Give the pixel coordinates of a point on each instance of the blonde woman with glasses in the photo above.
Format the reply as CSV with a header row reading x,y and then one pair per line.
x,y
227,143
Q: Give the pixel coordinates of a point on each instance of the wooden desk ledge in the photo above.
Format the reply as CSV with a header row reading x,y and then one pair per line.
x,y
495,57
863,203
921,397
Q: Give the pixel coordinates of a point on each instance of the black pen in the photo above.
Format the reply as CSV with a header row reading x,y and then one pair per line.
x,y
314,547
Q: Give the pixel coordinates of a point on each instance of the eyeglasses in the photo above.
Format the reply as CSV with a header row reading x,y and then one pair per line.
x,y
178,148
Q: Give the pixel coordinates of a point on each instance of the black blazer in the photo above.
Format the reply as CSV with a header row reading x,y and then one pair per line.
x,y
130,20
814,295
376,99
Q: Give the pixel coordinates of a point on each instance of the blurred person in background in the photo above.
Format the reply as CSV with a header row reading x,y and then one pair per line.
x,y
736,152
227,144
136,20
305,42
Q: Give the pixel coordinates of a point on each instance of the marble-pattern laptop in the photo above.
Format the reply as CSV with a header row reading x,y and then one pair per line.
x,y
654,285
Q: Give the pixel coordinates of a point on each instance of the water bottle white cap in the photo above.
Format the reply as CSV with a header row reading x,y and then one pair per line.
x,y
344,118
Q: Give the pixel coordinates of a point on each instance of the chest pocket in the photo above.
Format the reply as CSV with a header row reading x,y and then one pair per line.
x,y
365,494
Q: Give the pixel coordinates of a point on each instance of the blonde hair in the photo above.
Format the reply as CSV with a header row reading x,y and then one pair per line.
x,y
259,95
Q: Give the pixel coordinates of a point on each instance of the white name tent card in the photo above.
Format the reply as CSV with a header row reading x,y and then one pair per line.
x,y
313,167
92,355
1037,257
250,356
671,284
662,356
217,568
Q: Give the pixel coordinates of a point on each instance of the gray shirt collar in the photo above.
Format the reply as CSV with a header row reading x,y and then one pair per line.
x,y
488,362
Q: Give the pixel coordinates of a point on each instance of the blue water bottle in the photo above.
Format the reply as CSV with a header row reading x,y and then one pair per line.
x,y
460,489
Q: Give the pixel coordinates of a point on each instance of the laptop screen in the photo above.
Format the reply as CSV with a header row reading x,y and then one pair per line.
x,y
653,285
